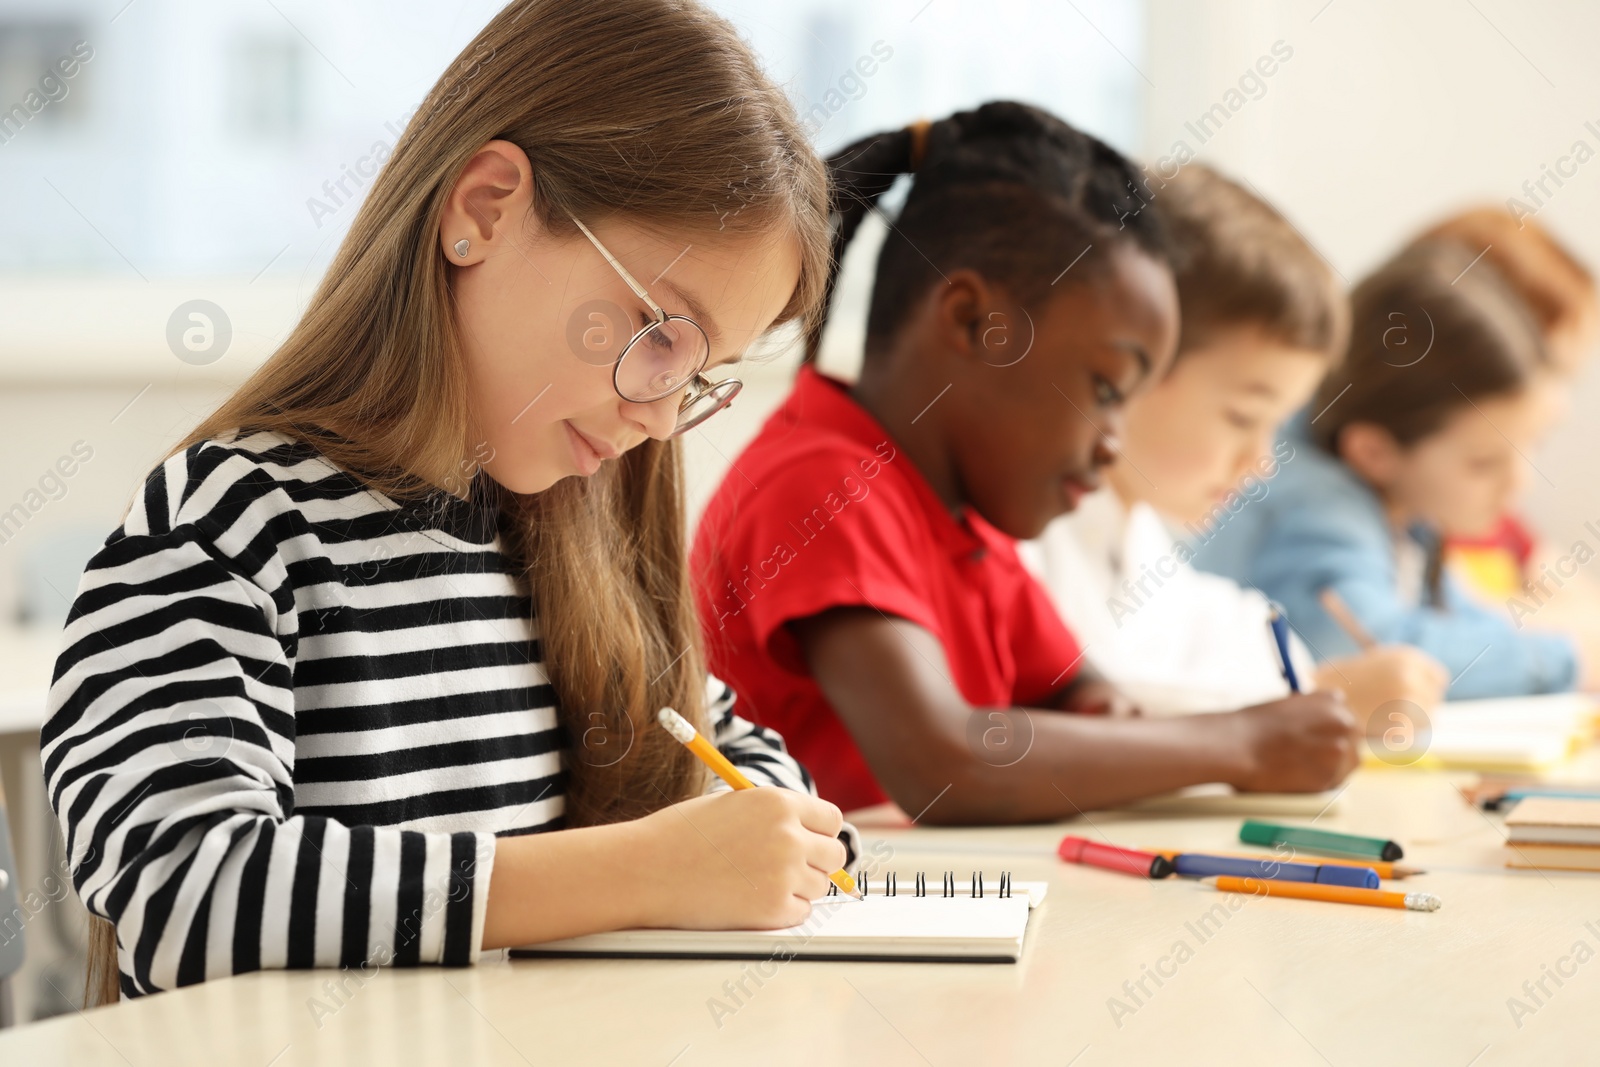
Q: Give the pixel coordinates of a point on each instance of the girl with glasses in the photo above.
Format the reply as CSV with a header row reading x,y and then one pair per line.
x,y
369,673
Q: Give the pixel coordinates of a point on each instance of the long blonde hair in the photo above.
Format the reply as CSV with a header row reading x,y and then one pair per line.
x,y
652,110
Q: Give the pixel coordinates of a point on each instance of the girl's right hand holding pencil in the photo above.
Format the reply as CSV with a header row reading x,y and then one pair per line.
x,y
741,859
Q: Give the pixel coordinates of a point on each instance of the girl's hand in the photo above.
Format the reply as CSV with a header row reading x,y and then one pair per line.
x,y
1390,672
746,859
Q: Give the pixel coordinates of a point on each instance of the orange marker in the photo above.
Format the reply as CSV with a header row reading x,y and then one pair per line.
x,y
683,730
1337,894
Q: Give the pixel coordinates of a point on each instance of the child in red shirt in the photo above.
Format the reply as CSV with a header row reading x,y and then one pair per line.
x,y
857,523
856,574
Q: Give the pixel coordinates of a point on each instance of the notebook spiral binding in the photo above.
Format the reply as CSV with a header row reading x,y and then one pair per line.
x,y
891,887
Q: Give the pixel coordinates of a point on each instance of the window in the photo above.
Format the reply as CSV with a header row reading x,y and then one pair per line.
x,y
41,78
237,146
266,87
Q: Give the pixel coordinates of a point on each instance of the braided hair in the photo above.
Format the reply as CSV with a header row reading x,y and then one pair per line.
x,y
1007,189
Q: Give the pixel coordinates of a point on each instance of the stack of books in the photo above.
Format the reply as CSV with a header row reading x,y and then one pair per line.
x,y
1558,833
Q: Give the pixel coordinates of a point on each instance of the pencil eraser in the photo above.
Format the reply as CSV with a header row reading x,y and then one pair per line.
x,y
676,725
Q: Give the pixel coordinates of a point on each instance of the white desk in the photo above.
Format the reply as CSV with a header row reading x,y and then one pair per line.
x,y
1274,981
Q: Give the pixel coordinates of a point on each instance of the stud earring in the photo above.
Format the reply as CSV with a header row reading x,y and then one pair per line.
x,y
461,246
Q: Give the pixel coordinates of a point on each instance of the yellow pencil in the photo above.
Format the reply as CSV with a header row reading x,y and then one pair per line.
x,y
683,730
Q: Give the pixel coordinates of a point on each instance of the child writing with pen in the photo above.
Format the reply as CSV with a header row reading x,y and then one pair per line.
x,y
1421,434
859,580
370,672
1263,318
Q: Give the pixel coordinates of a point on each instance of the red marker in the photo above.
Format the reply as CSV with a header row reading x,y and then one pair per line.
x,y
1112,858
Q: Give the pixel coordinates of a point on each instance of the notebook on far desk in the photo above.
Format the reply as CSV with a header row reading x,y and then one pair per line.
x,y
1508,735
933,928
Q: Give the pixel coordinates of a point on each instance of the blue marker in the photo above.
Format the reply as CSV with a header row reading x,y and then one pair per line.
x,y
1200,865
1280,634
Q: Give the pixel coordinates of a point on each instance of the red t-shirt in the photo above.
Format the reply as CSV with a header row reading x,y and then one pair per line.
x,y
822,510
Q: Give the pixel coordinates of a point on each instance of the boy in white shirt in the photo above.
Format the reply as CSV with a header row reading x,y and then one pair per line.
x,y
1263,319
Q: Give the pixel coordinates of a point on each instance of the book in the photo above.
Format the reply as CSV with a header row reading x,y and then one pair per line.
x,y
964,923
1554,821
1553,857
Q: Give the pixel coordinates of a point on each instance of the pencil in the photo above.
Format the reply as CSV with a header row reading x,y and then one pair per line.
x,y
683,730
1335,606
1337,894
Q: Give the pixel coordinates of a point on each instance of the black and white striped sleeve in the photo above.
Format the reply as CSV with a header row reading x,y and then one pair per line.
x,y
761,754
169,756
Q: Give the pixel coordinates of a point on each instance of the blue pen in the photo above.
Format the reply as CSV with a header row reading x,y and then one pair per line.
x,y
1200,865
1280,634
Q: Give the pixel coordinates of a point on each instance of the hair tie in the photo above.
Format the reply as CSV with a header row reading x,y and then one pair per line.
x,y
919,143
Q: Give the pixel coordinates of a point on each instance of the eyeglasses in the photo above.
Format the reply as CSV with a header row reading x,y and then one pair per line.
x,y
669,354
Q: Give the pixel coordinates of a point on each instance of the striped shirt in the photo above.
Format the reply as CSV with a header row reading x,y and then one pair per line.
x,y
291,716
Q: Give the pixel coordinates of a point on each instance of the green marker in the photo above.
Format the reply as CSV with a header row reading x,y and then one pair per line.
x,y
1326,841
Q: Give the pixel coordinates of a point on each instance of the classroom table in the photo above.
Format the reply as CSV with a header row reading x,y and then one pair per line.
x,y
1255,981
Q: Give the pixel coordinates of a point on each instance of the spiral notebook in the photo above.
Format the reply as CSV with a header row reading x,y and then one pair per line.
x,y
950,920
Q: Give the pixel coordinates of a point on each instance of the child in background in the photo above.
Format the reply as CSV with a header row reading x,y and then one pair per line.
x,y
1560,292
860,582
1263,319
1558,288
1420,434
369,674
